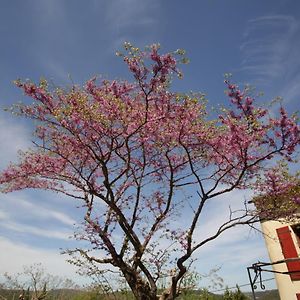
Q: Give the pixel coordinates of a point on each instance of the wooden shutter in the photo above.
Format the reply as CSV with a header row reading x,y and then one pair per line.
x,y
289,251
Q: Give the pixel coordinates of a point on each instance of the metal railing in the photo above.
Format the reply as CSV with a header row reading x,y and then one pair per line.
x,y
260,267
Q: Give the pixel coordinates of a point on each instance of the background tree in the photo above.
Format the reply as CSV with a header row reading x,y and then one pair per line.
x,y
140,156
35,283
234,295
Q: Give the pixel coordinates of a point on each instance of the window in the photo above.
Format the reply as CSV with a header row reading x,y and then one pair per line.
x,y
289,251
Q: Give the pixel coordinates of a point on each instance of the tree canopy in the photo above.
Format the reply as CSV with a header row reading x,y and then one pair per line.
x,y
140,156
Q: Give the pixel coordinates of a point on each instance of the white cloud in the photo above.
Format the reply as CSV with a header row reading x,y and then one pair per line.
x,y
233,249
14,136
218,212
3,215
16,255
233,252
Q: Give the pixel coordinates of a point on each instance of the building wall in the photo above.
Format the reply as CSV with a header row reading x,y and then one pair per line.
x,y
288,288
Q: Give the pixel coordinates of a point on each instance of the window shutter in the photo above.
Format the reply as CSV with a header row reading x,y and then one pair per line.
x,y
289,251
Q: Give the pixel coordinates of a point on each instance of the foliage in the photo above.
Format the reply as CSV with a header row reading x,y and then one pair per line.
x,y
280,195
234,295
205,295
140,156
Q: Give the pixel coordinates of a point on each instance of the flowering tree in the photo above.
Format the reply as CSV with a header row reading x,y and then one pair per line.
x,y
139,155
279,196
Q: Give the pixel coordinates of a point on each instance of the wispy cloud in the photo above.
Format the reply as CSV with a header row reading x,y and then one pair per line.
x,y
8,223
50,10
271,49
291,91
41,212
53,69
49,22
128,19
34,230
29,217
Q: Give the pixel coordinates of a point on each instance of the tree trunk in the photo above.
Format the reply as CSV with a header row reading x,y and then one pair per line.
x,y
144,295
166,295
139,288
142,291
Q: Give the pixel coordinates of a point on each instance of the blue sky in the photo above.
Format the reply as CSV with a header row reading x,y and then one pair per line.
x,y
258,41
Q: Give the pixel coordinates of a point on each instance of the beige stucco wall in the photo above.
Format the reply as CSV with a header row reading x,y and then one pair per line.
x,y
287,288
